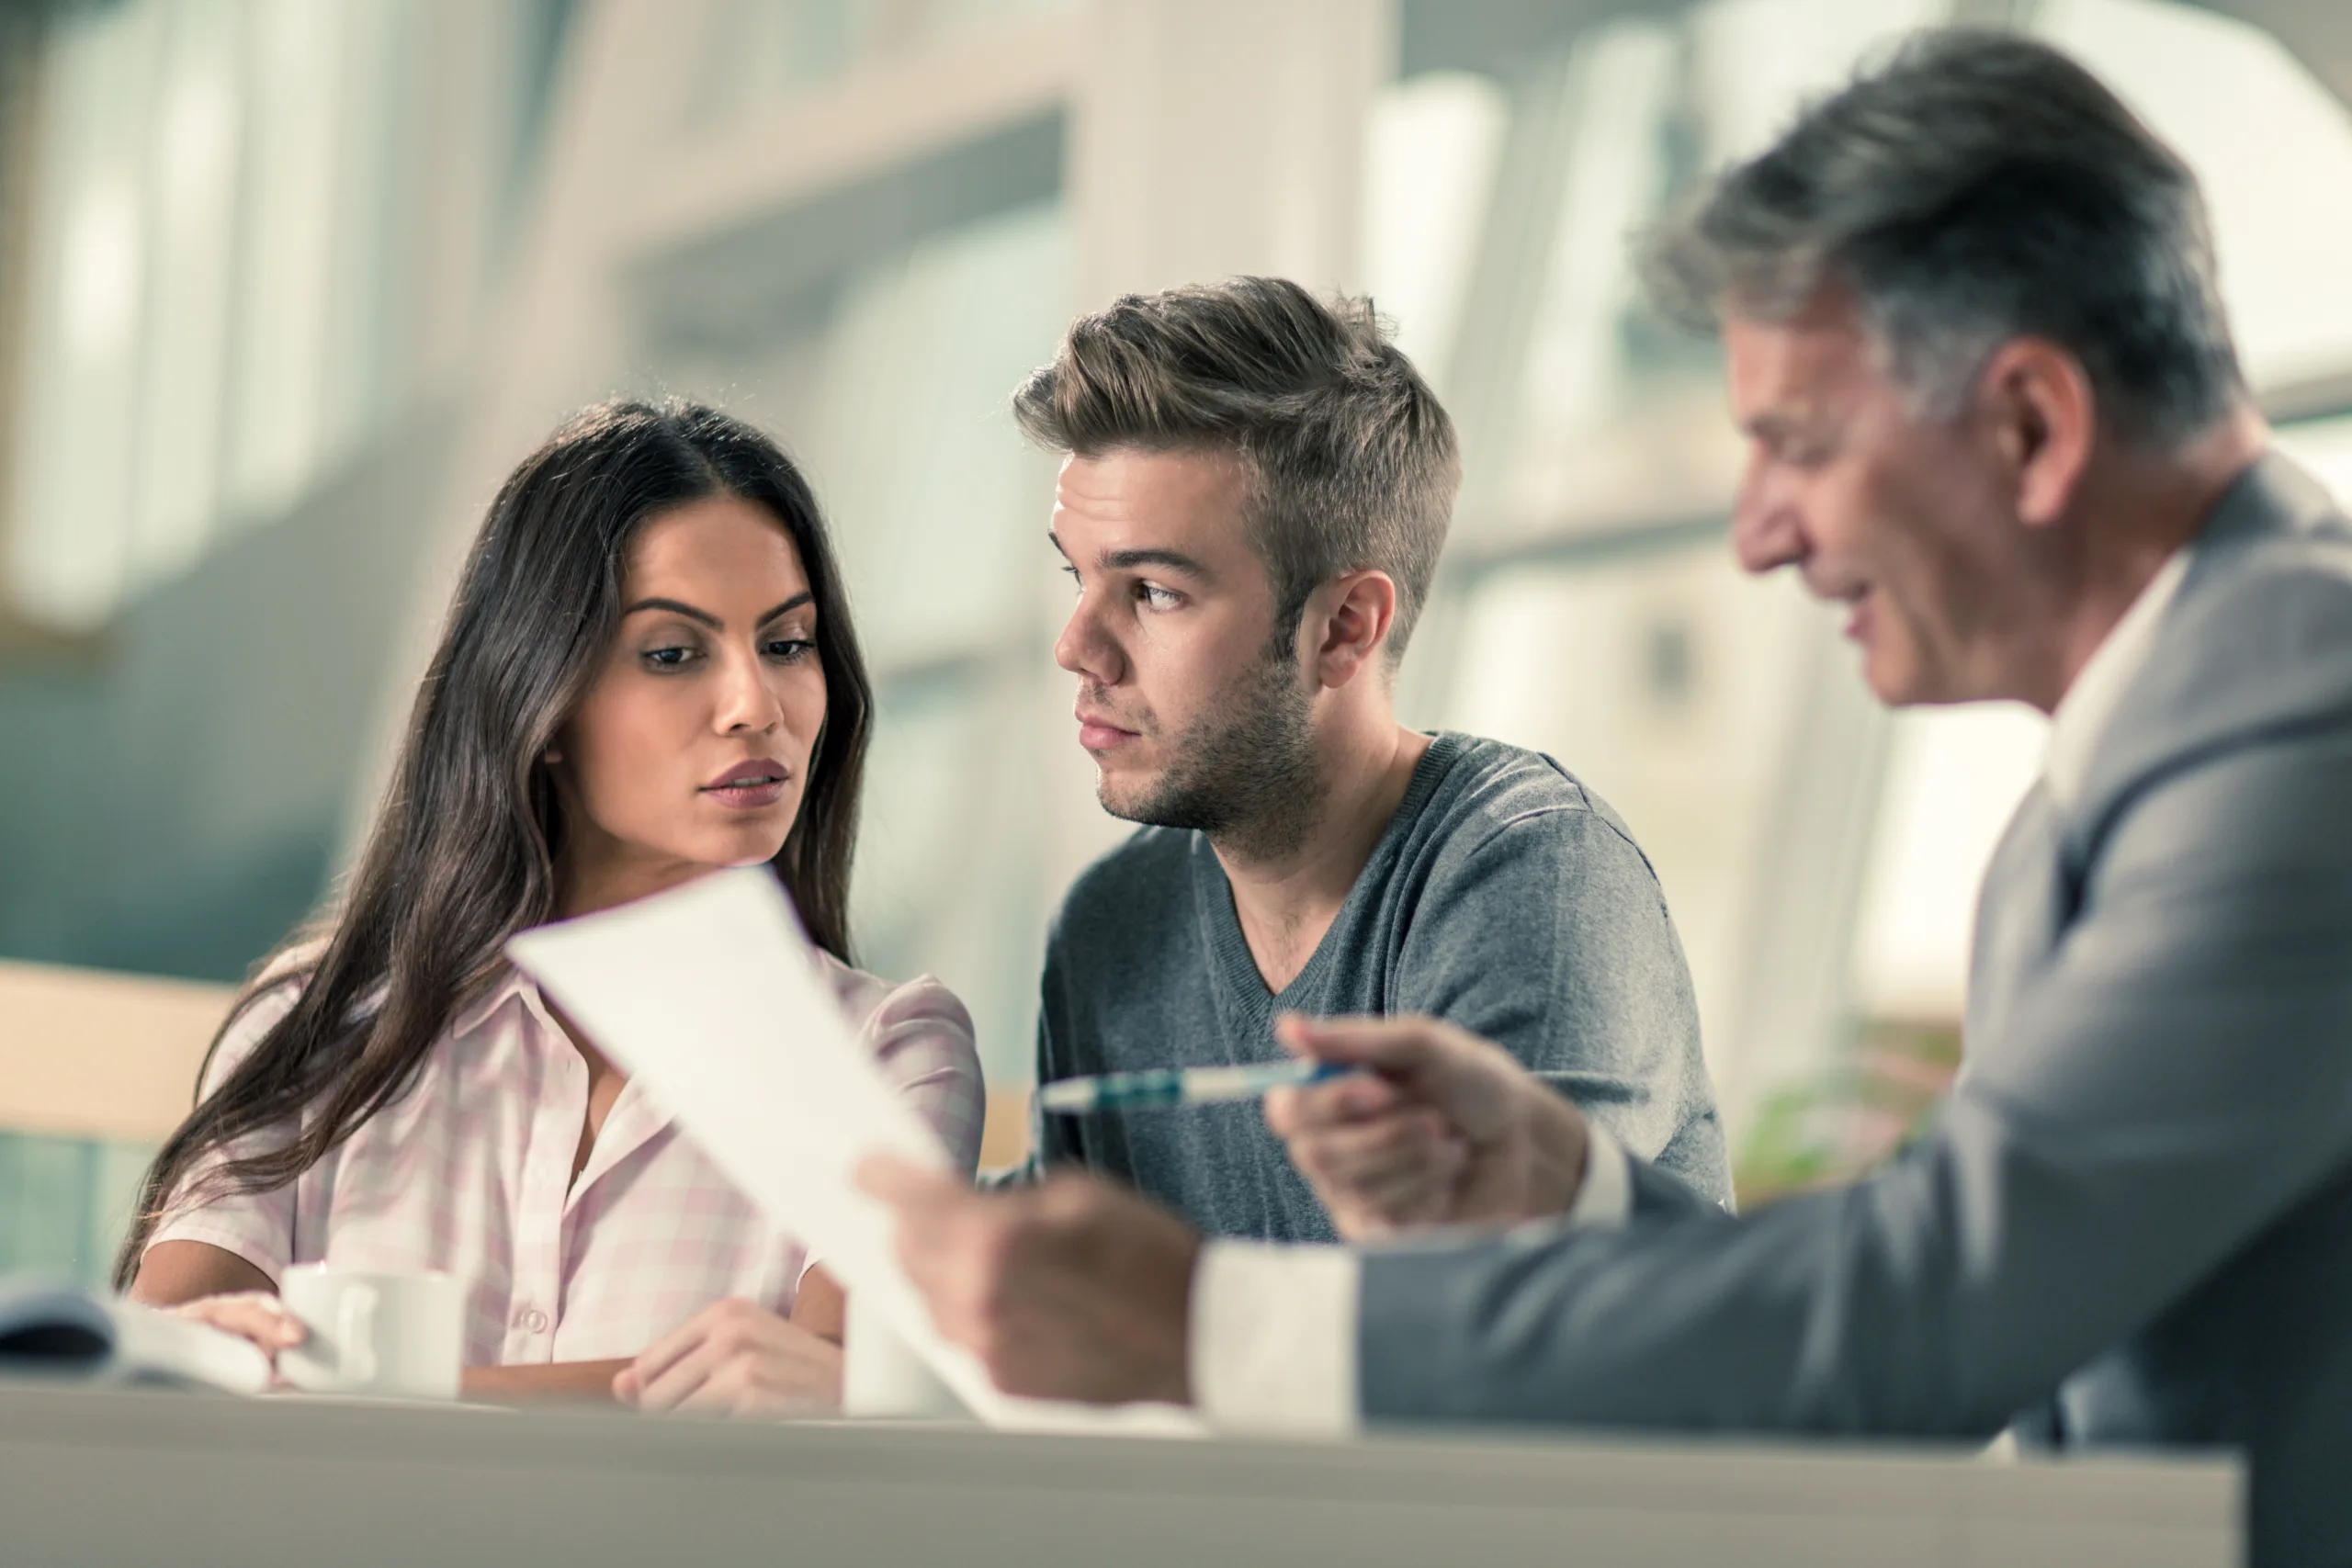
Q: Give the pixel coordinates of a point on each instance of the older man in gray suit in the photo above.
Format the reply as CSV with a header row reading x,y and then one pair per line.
x,y
1976,344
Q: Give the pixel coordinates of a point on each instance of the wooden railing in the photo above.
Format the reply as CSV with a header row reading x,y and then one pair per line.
x,y
86,1053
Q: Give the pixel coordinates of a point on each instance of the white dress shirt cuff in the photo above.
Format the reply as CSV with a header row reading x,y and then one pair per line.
x,y
1274,1333
1273,1338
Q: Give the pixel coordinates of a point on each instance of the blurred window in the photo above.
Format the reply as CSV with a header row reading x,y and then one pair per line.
x,y
757,54
1660,679
223,201
2273,149
1429,168
2324,447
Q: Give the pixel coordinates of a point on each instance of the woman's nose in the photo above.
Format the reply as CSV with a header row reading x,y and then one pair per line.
x,y
747,700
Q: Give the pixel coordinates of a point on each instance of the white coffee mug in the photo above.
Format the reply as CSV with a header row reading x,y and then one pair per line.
x,y
383,1333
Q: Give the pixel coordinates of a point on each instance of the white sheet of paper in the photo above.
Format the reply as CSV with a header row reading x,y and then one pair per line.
x,y
710,995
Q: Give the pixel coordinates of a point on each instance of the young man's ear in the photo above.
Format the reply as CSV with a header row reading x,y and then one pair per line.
x,y
1355,614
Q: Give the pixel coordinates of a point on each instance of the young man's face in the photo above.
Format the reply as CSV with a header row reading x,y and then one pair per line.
x,y
1906,520
1194,717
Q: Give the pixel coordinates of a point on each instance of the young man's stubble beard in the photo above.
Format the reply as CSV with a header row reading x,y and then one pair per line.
x,y
1244,772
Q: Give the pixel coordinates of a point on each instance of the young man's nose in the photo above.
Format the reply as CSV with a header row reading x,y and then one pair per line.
x,y
1084,649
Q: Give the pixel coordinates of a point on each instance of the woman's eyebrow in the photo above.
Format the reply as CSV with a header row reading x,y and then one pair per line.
x,y
677,607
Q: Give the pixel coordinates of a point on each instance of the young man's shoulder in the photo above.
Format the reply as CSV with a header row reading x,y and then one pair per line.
x,y
1498,796
1493,783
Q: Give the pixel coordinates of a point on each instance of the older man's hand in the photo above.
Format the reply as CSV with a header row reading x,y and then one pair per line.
x,y
1443,1128
1071,1290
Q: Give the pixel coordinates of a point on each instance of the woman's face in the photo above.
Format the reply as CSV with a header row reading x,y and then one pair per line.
x,y
690,750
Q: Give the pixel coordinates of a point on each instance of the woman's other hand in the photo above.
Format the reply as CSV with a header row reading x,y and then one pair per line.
x,y
254,1315
735,1359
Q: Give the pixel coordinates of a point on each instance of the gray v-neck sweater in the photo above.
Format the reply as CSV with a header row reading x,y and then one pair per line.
x,y
1503,896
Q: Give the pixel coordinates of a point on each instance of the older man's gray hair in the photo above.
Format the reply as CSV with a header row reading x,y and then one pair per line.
x,y
1976,187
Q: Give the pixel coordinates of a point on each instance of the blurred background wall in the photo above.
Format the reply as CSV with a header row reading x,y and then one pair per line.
x,y
287,285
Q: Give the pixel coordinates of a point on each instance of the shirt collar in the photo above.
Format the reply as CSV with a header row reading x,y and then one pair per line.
x,y
511,983
2082,714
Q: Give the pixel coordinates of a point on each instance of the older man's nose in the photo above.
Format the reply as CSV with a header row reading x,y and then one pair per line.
x,y
1767,530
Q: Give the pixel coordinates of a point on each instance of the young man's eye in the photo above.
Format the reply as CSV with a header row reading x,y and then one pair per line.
x,y
1157,598
1071,573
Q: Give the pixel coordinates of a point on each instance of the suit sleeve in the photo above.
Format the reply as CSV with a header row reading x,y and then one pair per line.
x,y
2163,1087
1551,939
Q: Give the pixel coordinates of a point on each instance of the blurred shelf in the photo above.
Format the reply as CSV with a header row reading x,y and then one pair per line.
x,y
27,641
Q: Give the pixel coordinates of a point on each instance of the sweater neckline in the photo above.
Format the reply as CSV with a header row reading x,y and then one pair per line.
x,y
1237,967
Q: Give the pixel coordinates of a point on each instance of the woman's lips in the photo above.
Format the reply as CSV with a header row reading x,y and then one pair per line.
x,y
748,795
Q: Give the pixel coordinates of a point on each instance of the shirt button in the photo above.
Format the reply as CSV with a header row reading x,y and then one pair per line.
x,y
531,1320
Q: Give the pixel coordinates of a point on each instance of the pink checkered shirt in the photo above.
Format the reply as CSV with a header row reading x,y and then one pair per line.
x,y
470,1172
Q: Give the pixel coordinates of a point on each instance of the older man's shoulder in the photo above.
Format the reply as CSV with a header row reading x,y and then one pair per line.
x,y
2256,651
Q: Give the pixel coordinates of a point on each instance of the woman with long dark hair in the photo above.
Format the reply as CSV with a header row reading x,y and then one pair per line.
x,y
647,672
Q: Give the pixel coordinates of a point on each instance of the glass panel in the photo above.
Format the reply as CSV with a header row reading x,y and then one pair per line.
x,y
757,54
948,879
2324,447
1954,778
1429,167
943,508
2266,139
65,1203
216,267
1664,683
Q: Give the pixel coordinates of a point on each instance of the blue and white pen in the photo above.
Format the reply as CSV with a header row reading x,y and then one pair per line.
x,y
1159,1089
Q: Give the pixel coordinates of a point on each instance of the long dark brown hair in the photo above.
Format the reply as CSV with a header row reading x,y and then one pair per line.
x,y
466,848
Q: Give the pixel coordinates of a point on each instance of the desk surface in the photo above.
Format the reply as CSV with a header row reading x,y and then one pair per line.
x,y
112,1477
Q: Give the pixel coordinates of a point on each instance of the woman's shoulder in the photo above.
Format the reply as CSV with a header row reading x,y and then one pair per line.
x,y
264,1003
877,1006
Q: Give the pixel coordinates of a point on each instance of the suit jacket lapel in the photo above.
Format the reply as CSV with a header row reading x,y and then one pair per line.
x,y
2020,913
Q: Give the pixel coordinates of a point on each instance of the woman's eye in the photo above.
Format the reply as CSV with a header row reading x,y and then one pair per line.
x,y
790,650
667,658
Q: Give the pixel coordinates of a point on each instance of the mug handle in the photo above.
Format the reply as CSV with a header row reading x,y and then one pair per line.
x,y
355,1332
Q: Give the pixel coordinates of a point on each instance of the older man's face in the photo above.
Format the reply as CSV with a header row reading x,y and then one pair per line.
x,y
1907,522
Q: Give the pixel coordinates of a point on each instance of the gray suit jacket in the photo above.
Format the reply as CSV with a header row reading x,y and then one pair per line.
x,y
2134,1211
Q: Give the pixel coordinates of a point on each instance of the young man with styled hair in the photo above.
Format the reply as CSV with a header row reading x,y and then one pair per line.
x,y
1255,489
